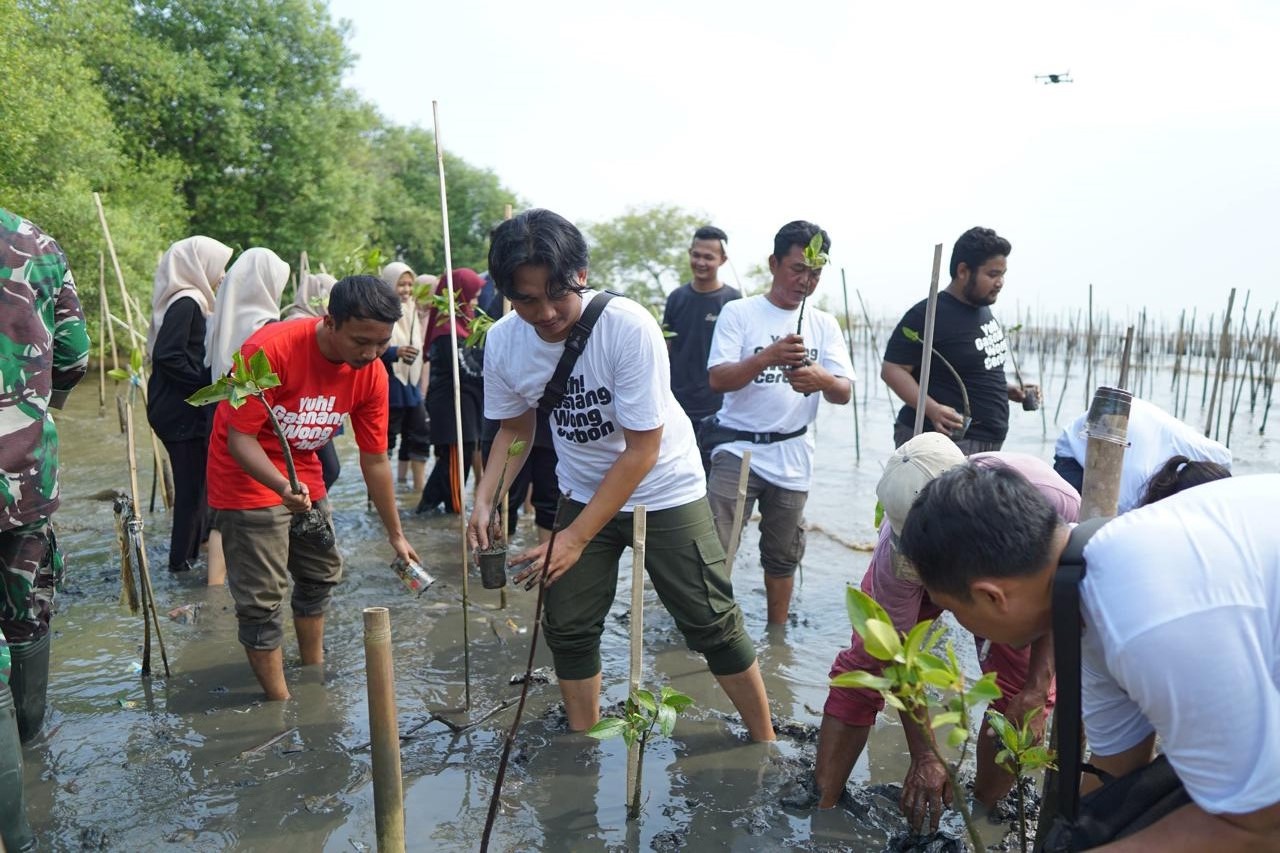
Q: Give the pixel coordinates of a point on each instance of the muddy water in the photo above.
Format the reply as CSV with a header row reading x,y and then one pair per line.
x,y
194,761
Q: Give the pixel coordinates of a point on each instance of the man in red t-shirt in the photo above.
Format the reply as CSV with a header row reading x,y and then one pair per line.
x,y
327,368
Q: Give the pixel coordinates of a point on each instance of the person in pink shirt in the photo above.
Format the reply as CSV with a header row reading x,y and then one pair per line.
x,y
1025,675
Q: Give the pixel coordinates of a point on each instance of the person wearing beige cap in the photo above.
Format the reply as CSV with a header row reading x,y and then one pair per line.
x,y
1024,674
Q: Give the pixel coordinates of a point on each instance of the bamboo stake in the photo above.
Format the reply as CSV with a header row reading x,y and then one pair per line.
x,y
506,502
639,526
1223,344
1088,353
926,354
105,324
457,407
739,507
388,786
848,329
1124,359
106,308
140,554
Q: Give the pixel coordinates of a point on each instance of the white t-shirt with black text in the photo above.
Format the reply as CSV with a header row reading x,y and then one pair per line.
x,y
1181,612
767,403
621,381
1154,435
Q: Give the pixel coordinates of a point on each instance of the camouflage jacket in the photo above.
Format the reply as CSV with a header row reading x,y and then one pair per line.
x,y
44,352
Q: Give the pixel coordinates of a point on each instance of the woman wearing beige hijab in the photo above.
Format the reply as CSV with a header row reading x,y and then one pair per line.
x,y
248,299
407,416
183,296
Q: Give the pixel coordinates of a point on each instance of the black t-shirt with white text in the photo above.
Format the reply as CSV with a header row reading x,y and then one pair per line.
x,y
692,316
973,341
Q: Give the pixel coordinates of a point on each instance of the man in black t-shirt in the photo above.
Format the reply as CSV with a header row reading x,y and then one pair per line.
x,y
968,337
691,313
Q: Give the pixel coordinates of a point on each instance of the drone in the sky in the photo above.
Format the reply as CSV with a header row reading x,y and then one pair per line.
x,y
1064,77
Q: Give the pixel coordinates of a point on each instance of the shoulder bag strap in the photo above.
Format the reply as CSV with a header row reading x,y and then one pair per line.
x,y
573,347
1066,660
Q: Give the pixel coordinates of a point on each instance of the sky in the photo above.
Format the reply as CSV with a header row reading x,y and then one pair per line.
x,y
1154,176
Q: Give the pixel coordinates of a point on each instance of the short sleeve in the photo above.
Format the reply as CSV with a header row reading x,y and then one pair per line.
x,y
369,413
835,355
726,342
899,350
501,401
642,372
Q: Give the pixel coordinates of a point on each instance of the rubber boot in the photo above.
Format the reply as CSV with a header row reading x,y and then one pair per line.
x,y
14,829
30,685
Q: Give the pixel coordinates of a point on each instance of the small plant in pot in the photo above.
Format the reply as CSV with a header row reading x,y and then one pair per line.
x,y
252,380
493,559
914,336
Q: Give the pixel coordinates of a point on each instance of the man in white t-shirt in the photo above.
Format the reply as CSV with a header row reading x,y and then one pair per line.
x,y
1180,608
771,356
1154,436
622,441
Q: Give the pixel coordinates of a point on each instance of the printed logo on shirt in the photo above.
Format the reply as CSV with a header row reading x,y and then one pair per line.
x,y
993,344
711,318
776,373
579,418
312,425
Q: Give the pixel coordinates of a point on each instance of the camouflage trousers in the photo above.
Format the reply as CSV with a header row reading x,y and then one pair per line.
x,y
30,569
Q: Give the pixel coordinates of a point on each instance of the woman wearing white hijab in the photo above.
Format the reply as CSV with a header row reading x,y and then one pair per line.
x,y
248,299
183,296
407,414
312,296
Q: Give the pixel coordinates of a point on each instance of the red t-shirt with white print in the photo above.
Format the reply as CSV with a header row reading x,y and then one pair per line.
x,y
313,396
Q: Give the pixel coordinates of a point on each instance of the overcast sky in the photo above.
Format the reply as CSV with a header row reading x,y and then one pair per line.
x,y
1155,175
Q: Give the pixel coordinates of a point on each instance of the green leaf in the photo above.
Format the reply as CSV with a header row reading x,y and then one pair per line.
x,y
1005,759
271,380
879,516
881,641
666,719
895,702
957,736
1002,727
984,689
135,360
677,700
911,335
120,374
863,608
210,394
607,728
630,736
915,639
645,700
860,679
517,447
259,366
239,372
947,718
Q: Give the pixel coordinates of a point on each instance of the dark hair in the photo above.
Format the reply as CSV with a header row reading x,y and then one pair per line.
x,y
538,238
977,246
710,232
975,522
1178,474
363,297
797,233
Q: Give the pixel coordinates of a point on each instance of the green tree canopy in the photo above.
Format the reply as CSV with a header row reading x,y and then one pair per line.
x,y
644,252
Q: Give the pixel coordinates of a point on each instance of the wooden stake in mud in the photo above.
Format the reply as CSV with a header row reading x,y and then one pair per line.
x,y
105,322
739,507
1124,359
388,787
926,354
638,526
1224,346
848,329
457,411
140,556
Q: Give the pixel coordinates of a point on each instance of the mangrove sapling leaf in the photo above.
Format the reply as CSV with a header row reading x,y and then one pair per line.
x,y
478,329
865,680
1022,752
914,336
641,714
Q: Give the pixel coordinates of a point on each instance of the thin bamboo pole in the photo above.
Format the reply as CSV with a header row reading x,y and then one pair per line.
x,y
739,507
104,324
926,354
639,525
1224,343
140,555
388,786
1124,359
457,407
848,329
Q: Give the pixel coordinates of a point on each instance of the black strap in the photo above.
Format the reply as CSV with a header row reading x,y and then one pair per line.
x,y
573,347
1066,660
768,437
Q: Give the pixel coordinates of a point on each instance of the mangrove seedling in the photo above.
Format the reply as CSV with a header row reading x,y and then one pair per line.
x,y
493,559
252,380
926,688
914,336
642,713
478,329
815,259
1022,752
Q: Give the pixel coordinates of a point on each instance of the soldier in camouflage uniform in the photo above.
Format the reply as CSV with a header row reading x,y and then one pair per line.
x,y
44,352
